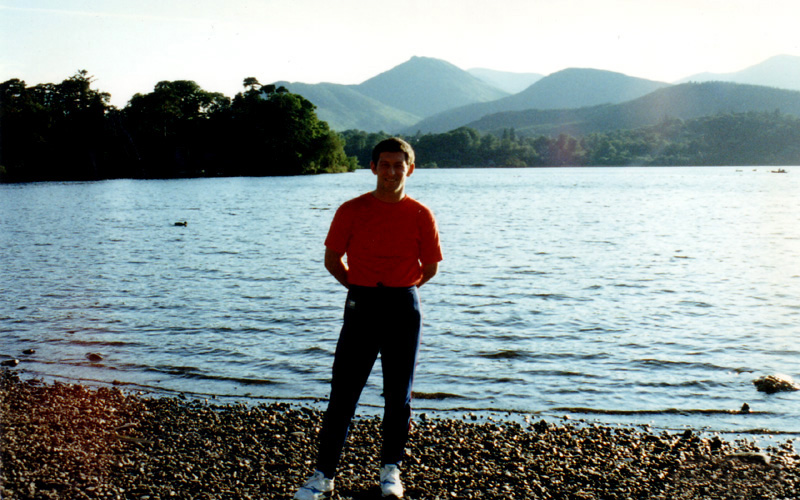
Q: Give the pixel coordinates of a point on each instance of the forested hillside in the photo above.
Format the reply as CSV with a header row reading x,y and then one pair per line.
x,y
344,107
686,101
732,139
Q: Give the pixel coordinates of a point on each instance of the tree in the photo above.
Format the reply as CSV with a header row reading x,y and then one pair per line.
x,y
251,84
54,131
271,131
359,144
172,128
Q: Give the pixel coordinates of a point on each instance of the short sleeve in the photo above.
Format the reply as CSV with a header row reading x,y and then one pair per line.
x,y
430,249
340,230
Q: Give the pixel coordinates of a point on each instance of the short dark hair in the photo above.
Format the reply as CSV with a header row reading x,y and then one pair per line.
x,y
393,145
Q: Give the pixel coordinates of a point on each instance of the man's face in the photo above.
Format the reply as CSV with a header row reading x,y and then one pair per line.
x,y
392,170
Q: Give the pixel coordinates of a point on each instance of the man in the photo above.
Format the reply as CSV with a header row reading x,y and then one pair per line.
x,y
381,246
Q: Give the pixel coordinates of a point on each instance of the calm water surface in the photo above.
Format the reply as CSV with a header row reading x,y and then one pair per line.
x,y
633,295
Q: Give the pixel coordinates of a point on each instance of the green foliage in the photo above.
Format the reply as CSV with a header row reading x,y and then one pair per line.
x,y
725,139
53,131
271,131
68,131
359,144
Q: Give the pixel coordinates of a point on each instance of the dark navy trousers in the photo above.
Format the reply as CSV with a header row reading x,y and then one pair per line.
x,y
380,320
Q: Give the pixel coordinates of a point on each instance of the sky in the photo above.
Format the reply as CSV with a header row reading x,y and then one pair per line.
x,y
130,45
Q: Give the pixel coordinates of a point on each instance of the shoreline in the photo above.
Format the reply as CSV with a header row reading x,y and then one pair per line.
x,y
578,415
69,441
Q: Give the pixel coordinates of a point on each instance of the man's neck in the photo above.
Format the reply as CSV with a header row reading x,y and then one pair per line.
x,y
389,197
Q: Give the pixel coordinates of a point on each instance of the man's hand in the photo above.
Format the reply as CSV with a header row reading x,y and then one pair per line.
x,y
428,272
334,263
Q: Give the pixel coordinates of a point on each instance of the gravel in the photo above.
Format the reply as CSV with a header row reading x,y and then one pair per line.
x,y
69,441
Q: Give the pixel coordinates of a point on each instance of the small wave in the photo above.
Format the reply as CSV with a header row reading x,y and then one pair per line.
x,y
598,329
667,411
669,364
561,373
247,381
504,354
219,252
694,303
493,304
705,384
601,242
438,396
175,370
510,380
550,296
192,372
65,362
315,350
530,272
112,343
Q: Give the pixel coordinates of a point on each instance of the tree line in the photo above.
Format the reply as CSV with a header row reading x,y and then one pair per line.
x,y
69,131
735,139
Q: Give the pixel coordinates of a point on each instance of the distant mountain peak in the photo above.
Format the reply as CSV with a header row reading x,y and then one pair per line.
x,y
415,64
781,71
425,86
576,73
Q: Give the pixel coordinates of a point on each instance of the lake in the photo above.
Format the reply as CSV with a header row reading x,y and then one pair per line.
x,y
629,295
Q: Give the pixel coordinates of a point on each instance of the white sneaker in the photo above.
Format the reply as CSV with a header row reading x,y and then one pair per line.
x,y
317,487
390,481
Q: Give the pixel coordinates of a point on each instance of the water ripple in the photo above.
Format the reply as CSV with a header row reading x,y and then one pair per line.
x,y
562,290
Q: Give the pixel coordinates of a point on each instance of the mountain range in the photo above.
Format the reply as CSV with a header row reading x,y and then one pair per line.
x,y
430,95
685,101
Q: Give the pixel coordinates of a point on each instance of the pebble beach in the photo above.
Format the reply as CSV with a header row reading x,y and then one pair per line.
x,y
72,441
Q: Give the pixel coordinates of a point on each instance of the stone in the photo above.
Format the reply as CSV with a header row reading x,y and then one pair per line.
x,y
753,458
775,383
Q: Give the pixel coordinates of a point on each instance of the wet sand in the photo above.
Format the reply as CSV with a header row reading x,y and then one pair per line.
x,y
70,441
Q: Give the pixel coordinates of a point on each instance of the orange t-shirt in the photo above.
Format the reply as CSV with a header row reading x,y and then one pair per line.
x,y
385,243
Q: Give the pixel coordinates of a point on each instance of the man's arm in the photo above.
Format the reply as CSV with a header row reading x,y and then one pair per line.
x,y
428,272
334,263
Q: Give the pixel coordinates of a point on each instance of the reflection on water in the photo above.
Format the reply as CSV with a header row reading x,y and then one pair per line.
x,y
622,291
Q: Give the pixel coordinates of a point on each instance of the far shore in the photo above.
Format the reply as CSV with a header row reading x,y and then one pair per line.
x,y
71,441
